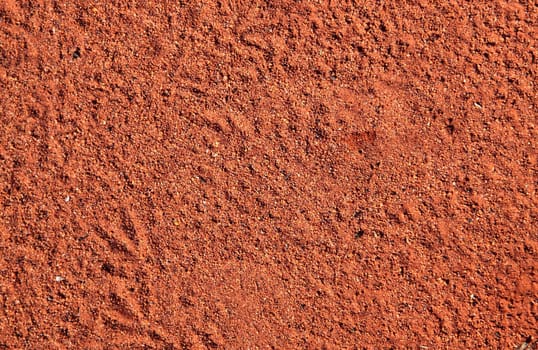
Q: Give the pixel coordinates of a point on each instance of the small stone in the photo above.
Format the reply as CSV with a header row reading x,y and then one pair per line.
x,y
67,198
359,233
58,278
76,54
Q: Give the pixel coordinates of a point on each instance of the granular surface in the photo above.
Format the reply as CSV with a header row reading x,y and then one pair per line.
x,y
268,174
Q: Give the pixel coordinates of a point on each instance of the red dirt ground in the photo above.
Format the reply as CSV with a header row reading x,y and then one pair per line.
x,y
287,175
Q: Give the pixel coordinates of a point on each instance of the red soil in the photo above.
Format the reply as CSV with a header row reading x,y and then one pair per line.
x,y
278,174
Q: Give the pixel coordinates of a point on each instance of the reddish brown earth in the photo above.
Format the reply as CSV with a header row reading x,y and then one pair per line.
x,y
287,175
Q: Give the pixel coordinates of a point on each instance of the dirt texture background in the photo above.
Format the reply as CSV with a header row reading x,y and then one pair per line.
x,y
280,174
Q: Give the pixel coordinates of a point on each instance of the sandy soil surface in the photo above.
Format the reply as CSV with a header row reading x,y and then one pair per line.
x,y
268,174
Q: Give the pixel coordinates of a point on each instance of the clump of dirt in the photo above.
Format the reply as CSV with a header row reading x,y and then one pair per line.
x,y
268,174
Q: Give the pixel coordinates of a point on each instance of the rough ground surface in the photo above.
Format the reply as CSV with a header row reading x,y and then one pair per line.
x,y
280,174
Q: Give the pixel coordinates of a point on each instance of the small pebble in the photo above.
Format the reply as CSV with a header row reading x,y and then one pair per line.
x,y
76,54
67,199
58,278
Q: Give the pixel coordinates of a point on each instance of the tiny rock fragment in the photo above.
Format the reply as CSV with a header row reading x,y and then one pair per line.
x,y
58,278
359,233
526,344
76,53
